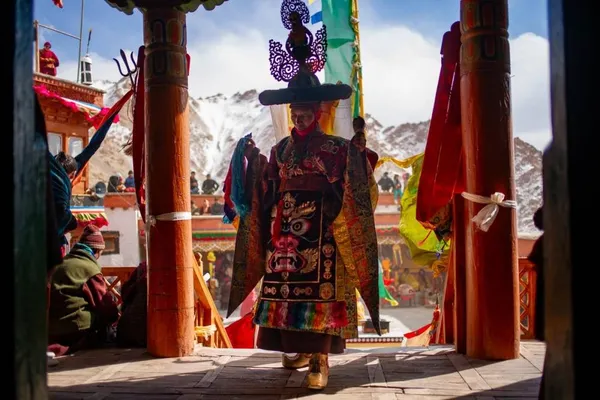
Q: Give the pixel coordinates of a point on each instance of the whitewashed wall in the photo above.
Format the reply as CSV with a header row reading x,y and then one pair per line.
x,y
124,221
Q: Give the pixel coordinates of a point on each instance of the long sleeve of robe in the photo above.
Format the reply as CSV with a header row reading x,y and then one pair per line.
x,y
94,144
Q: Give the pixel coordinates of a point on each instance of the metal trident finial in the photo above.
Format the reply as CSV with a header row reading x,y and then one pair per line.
x,y
130,72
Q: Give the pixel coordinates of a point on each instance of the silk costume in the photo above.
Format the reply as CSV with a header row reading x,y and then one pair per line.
x,y
305,221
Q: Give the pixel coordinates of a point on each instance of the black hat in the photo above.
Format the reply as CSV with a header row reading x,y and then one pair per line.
x,y
303,56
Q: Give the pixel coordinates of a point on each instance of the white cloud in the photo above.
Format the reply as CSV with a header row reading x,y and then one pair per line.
x,y
400,68
102,68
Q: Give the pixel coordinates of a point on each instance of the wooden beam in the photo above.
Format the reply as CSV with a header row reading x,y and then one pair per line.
x,y
170,259
491,260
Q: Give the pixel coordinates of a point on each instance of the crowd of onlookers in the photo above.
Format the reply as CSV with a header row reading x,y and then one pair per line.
x,y
209,186
396,185
118,184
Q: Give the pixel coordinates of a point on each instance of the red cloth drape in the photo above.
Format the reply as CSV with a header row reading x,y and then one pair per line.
x,y
241,332
440,174
138,136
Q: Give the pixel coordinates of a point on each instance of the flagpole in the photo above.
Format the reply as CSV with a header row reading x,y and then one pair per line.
x,y
80,40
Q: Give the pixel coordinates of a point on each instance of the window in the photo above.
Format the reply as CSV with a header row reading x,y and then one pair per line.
x,y
55,143
75,146
111,241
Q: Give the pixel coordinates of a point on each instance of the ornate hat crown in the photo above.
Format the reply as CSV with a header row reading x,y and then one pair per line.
x,y
297,62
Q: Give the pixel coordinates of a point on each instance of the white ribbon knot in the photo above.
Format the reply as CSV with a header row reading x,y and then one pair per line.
x,y
486,216
172,216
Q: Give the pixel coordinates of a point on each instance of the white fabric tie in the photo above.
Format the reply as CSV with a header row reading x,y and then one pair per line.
x,y
486,216
172,216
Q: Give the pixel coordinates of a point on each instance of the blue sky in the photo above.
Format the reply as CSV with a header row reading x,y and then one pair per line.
x,y
400,42
112,29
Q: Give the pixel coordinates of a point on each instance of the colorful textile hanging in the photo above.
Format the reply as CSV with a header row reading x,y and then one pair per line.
x,y
138,137
383,292
425,335
109,117
441,176
242,332
236,203
343,47
90,216
92,113
406,163
424,247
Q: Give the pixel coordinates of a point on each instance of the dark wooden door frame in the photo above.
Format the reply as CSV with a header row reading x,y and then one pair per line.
x,y
569,211
25,239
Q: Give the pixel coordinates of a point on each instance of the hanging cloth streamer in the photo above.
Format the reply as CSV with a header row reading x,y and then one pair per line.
x,y
486,216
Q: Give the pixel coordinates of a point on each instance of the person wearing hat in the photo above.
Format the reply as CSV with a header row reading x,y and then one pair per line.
x,y
48,60
306,224
81,307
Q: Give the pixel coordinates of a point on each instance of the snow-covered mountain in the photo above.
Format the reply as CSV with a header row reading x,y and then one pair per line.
x,y
218,122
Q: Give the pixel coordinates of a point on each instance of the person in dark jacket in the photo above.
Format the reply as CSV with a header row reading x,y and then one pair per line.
x,y
130,182
54,256
131,330
386,183
81,307
209,186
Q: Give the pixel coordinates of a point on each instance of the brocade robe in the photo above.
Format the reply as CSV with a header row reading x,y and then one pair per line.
x,y
310,236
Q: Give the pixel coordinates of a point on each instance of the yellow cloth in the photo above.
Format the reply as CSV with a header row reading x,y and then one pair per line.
x,y
327,119
406,163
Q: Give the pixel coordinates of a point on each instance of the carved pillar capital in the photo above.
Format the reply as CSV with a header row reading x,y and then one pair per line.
x,y
165,39
484,36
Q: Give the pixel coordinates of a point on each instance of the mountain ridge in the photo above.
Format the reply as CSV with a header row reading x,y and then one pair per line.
x,y
217,122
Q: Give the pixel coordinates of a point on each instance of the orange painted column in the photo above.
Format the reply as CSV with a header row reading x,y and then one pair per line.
x,y
491,257
170,263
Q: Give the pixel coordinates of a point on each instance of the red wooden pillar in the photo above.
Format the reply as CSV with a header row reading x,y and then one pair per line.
x,y
491,257
170,263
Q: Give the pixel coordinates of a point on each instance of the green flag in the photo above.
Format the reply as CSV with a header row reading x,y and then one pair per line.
x,y
342,54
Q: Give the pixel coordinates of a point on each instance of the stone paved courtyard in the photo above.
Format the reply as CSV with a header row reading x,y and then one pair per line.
x,y
383,373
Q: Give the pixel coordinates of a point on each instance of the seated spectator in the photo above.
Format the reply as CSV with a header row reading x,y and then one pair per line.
x,y
81,307
121,185
130,182
194,183
131,329
205,209
195,209
217,208
209,186
113,184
